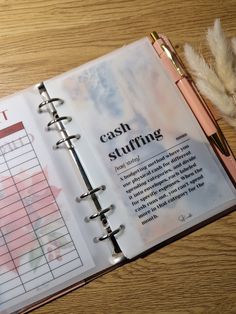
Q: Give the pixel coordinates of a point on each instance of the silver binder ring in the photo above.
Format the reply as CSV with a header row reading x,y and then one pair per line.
x,y
68,138
58,119
100,213
59,101
86,194
109,234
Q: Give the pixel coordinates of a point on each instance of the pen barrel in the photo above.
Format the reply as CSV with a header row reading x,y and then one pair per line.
x,y
197,107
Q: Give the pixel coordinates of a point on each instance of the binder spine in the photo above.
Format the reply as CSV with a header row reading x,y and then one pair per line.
x,y
49,105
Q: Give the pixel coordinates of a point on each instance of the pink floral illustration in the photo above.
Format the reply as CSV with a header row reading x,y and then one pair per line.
x,y
27,203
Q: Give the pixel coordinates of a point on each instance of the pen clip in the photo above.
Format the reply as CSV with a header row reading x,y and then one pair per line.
x,y
174,60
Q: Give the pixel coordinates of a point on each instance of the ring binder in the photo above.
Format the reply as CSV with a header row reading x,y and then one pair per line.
x,y
109,234
67,139
160,177
46,102
90,192
63,140
57,119
98,214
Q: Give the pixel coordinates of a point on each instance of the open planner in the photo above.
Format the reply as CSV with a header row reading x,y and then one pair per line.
x,y
100,165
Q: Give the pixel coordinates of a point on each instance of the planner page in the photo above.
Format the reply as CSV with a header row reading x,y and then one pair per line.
x,y
42,248
140,139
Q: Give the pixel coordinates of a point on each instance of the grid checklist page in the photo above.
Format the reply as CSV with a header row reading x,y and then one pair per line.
x,y
35,244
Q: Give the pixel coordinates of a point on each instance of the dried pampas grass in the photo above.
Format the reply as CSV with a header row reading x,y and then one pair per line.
x,y
217,82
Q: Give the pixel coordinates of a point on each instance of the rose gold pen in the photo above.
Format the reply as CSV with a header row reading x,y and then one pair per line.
x,y
177,72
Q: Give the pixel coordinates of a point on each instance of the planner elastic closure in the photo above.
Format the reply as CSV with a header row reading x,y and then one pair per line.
x,y
179,75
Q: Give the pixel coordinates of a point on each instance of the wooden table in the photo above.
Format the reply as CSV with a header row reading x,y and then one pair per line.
x,y
40,39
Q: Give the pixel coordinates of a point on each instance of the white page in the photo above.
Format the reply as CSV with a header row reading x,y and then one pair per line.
x,y
140,139
45,245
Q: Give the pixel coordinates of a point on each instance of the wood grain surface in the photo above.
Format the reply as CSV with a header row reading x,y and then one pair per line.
x,y
39,39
